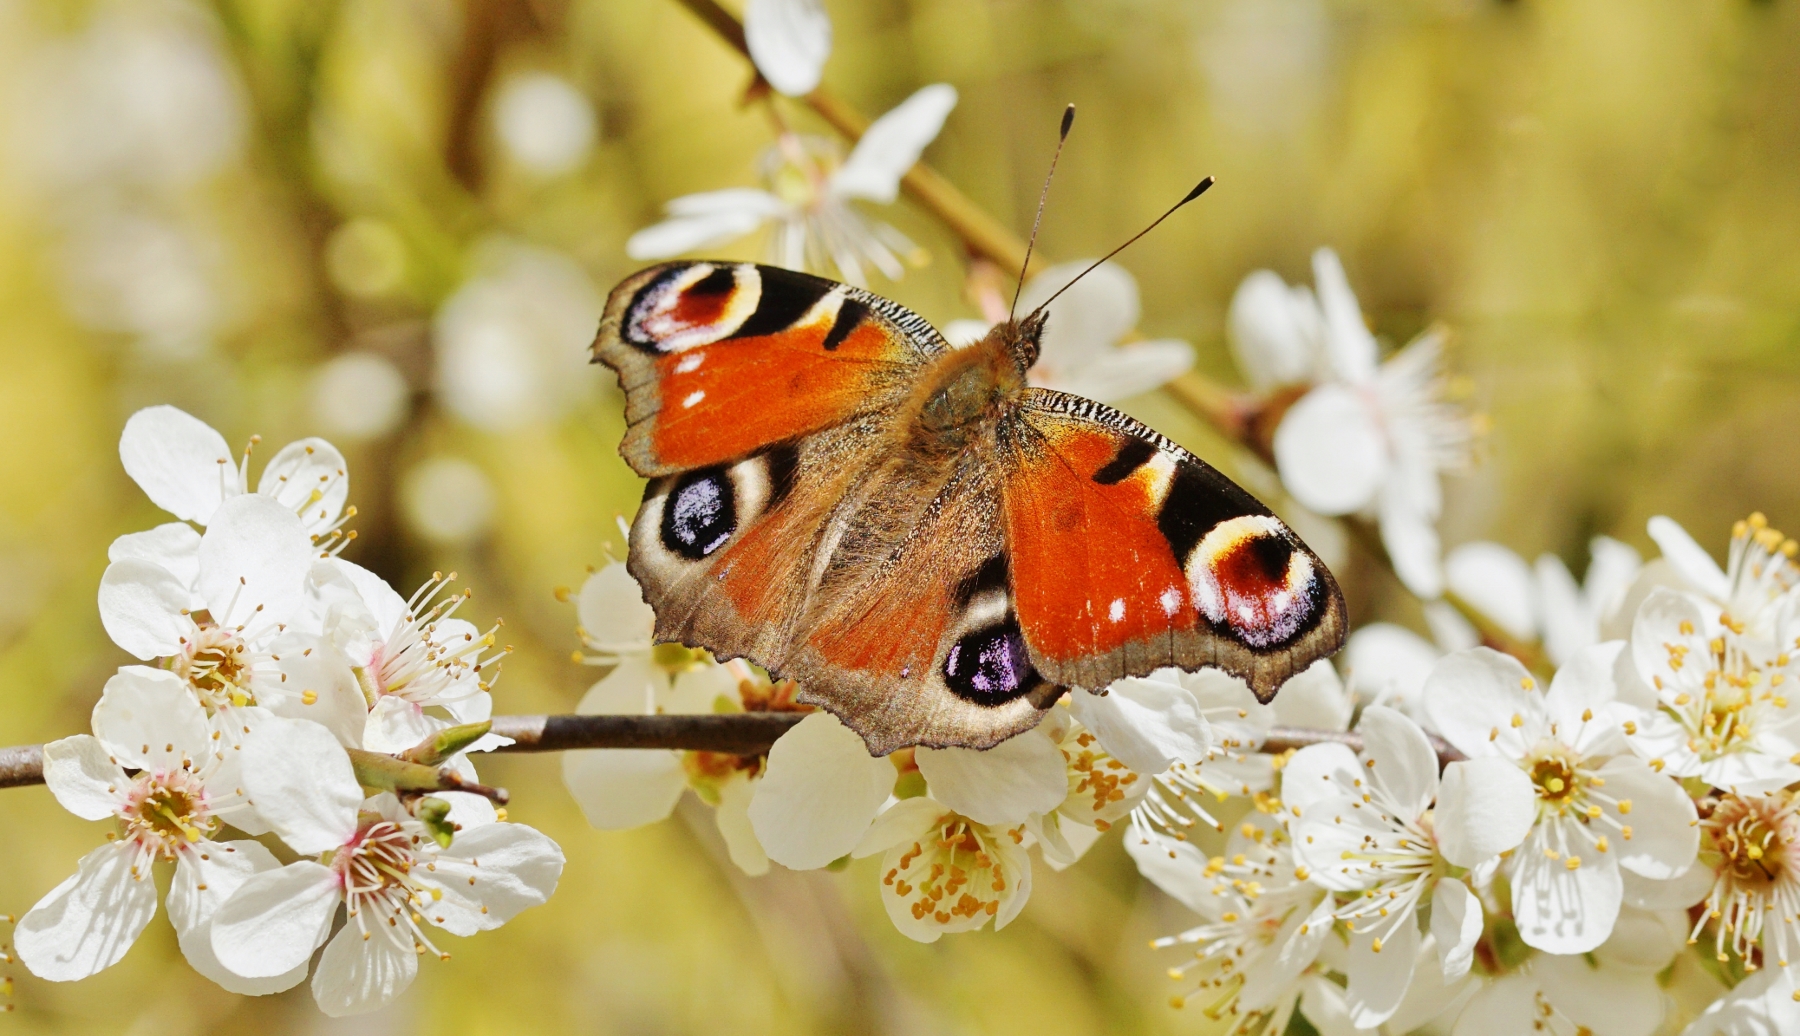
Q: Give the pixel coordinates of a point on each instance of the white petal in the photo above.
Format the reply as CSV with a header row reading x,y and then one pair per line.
x,y
1088,318
612,611
1388,664
1582,685
1558,909
1330,451
680,234
618,788
1297,945
183,466
1019,777
141,607
1318,772
1149,725
789,41
732,815
356,976
962,333
906,819
1498,583
83,777
1664,836
1678,893
1430,994
1015,866
1177,868
1332,838
1276,332
1613,567
1404,762
395,725
1378,981
276,919
1127,370
1448,627
1605,1001
635,687
1568,623
174,546
1689,558
1314,698
313,664
1348,343
892,145
84,925
254,561
515,868
1411,541
148,720
1644,940
301,782
1506,1006
310,479
1485,806
1456,922
818,794
206,875
1472,698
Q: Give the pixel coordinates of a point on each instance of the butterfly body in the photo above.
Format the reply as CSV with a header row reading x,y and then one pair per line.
x,y
931,547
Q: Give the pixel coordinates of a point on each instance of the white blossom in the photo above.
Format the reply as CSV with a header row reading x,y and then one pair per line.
x,y
943,873
789,41
1542,601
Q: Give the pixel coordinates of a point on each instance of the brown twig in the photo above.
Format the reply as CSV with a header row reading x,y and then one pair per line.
x,y
21,765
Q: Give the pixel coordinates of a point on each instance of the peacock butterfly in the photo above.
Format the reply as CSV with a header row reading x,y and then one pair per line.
x,y
932,548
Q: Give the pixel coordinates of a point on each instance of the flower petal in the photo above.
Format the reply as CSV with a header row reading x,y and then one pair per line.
x,y
254,560
1562,908
1613,567
182,465
1379,979
1316,772
1401,759
174,546
905,819
733,820
1456,922
1568,623
1087,319
1644,940
395,725
618,788
302,784
310,479
892,145
309,663
1297,945
719,224
1276,332
1314,698
1021,776
149,721
1604,1001
141,607
1664,836
1485,703
789,41
356,976
1149,725
1388,664
206,875
84,925
1498,583
818,794
1330,451
1123,371
612,611
1411,541
1485,806
1689,558
85,780
514,868
276,919
1349,345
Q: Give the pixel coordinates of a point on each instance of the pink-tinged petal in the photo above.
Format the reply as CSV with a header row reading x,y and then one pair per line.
x,y
276,919
612,611
1485,703
148,720
254,560
515,868
311,480
141,608
1561,908
1665,837
174,546
1349,345
301,782
1402,760
1456,923
1690,559
1330,451
789,41
892,145
82,775
1485,806
358,975
732,816
619,788
1318,772
182,465
1379,980
1277,332
703,220
206,875
1147,724
818,794
1017,778
87,923
1498,583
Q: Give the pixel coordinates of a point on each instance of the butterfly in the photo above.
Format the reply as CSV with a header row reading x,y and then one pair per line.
x,y
933,549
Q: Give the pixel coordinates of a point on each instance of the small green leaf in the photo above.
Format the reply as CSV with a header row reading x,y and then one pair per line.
x,y
447,742
434,813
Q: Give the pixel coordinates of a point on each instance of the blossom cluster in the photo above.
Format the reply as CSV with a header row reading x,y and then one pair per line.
x,y
288,696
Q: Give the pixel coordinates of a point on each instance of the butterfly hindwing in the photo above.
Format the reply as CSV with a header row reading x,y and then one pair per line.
x,y
1129,553
720,360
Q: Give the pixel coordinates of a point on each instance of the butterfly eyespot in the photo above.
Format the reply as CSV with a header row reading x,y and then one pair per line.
x,y
990,665
700,515
690,306
1246,575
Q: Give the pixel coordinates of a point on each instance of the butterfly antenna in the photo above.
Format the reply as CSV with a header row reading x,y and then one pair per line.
x,y
1199,189
1068,120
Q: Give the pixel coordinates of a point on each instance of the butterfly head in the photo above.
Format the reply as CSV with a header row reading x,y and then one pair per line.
x,y
1020,339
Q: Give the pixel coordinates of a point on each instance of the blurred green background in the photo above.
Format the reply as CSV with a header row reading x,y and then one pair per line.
x,y
213,204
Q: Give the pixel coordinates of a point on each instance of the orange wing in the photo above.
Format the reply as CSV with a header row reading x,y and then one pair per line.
x,y
719,360
1129,553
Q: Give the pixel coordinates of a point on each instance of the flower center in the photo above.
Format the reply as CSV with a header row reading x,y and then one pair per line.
x,y
380,893
1096,775
953,874
797,168
1754,837
165,811
218,664
1554,773
419,663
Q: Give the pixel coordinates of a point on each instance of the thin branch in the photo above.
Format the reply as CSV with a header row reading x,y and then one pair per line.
x,y
742,733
